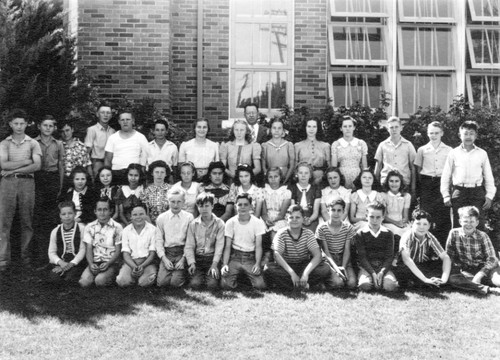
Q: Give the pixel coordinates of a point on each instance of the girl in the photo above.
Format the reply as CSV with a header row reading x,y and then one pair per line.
x,y
336,237
82,195
334,191
367,193
278,152
306,194
397,201
240,149
104,180
155,195
277,199
191,187
129,195
244,182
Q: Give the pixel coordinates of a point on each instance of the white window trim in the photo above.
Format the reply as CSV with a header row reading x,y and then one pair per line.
x,y
474,64
469,87
476,17
330,84
427,19
367,13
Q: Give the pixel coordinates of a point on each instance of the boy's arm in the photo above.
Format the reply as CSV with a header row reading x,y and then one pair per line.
x,y
127,258
82,247
489,251
316,259
53,258
446,179
227,251
362,255
219,244
108,158
160,239
258,253
489,184
408,261
446,267
379,162
190,245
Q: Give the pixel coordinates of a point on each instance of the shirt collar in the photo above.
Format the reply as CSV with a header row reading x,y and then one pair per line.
x,y
474,147
394,195
301,188
363,196
366,229
26,138
344,143
199,221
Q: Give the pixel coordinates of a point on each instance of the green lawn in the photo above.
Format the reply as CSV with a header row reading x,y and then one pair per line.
x,y
37,322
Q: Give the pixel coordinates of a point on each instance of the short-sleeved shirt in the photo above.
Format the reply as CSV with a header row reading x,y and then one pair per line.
x,y
421,250
233,154
316,153
24,150
328,195
361,200
52,154
395,204
281,156
244,235
75,155
168,153
191,194
96,139
431,160
295,251
127,151
103,238
398,156
139,244
336,242
200,155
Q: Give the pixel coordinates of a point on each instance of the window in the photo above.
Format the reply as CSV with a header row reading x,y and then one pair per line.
x,y
351,87
261,57
363,8
483,90
484,10
484,47
428,10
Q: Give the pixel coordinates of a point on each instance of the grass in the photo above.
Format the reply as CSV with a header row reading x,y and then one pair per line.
x,y
40,322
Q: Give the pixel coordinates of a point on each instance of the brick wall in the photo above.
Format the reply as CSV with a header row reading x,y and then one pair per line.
x,y
311,42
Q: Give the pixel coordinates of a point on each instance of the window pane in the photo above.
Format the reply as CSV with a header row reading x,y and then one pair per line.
x,y
261,44
356,6
425,90
262,8
243,53
426,8
484,8
485,90
268,89
349,88
485,45
426,47
358,43
278,89
279,41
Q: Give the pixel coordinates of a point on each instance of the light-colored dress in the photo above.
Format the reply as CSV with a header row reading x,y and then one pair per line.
x,y
254,191
317,154
361,200
328,195
200,155
233,154
349,155
281,156
395,204
191,194
274,200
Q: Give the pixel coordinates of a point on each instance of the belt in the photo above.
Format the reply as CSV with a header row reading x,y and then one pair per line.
x,y
468,186
20,176
430,177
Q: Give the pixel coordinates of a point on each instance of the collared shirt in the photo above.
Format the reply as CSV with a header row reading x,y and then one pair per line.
x,y
316,153
398,156
200,155
204,240
127,151
244,235
96,139
156,199
103,238
52,154
139,244
467,168
473,250
295,251
375,250
421,250
23,150
431,160
75,155
173,230
168,153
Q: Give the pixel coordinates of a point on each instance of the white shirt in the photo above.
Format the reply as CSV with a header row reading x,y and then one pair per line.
x,y
168,153
127,151
139,244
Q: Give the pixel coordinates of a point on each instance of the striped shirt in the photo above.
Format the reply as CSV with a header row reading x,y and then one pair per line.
x,y
67,236
474,250
295,251
421,250
336,242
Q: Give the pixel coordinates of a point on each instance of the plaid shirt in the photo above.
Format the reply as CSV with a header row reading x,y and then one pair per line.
x,y
471,251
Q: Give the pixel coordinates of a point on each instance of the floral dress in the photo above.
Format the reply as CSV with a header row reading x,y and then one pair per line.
x,y
274,200
155,198
349,156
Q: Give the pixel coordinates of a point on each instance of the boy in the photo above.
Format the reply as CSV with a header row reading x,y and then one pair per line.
x,y
375,248
66,248
162,149
97,136
20,157
396,153
48,184
472,255
429,163
243,252
419,251
138,249
103,242
204,244
467,171
170,240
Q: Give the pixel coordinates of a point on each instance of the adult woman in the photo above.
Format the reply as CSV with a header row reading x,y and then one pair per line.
x,y
200,151
349,153
313,151
240,149
155,195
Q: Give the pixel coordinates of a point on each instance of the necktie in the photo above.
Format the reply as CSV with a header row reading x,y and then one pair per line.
x,y
303,200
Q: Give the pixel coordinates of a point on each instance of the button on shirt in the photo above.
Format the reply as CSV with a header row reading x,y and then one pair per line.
x,y
168,153
96,139
52,154
103,238
172,230
204,240
17,151
431,160
398,156
139,244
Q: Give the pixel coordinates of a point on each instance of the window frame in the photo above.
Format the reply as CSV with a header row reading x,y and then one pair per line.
x,y
383,14
426,19
470,47
476,17
469,87
383,75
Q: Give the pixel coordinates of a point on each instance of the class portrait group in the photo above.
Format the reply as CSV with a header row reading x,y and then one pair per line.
x,y
119,209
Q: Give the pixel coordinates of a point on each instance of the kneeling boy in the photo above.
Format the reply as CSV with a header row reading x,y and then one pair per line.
x,y
204,244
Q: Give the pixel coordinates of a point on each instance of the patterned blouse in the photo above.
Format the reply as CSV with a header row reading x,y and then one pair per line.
x,y
75,155
155,198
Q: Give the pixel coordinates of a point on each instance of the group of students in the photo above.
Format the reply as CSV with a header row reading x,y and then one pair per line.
x,y
321,218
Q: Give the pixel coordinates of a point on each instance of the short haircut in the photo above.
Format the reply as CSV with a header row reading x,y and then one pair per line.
x,y
244,196
468,211
376,205
337,170
17,114
48,117
205,198
421,214
138,204
67,203
469,125
66,122
250,104
161,122
436,124
394,119
104,199
176,191
243,168
138,167
104,104
126,111
195,123
161,164
339,201
295,208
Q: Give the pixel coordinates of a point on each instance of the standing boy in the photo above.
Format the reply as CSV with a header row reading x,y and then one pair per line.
x,y
170,241
375,248
472,255
103,242
396,153
467,172
162,149
243,251
20,157
204,244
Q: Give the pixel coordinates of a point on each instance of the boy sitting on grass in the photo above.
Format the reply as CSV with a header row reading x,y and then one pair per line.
x,y
103,242
204,244
375,248
419,250
243,252
66,250
138,249
472,255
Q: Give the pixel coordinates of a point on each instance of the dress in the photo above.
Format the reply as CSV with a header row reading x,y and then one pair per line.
x,y
361,200
191,194
155,198
233,154
128,199
312,193
394,210
200,155
254,191
281,156
274,200
349,155
316,153
328,195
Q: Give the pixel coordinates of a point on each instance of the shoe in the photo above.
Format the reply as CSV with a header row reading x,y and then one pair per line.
x,y
494,291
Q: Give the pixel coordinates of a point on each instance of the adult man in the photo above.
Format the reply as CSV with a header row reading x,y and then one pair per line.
x,y
20,157
97,136
259,133
125,147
